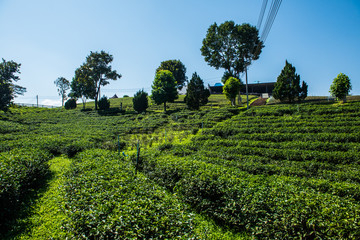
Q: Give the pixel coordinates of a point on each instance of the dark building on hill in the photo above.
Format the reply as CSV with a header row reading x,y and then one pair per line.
x,y
253,88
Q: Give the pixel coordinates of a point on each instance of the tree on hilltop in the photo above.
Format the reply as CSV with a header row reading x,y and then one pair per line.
x,y
63,85
97,71
341,87
231,88
177,68
196,94
140,101
80,86
8,89
164,88
231,47
287,87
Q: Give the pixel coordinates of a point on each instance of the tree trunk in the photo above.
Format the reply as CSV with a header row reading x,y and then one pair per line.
x,y
239,98
164,106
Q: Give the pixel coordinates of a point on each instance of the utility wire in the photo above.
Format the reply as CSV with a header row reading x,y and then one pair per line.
x,y
275,5
262,12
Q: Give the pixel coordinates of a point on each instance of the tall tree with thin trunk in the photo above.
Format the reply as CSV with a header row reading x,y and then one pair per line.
x,y
8,88
63,85
81,87
232,47
97,71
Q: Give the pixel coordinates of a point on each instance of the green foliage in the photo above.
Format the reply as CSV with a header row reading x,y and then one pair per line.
x,y
80,85
164,88
8,89
273,172
231,89
340,86
177,68
140,101
106,200
21,170
45,213
231,47
70,104
63,85
196,94
287,87
104,103
96,72
279,172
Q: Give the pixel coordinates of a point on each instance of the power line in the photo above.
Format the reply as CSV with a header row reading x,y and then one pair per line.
x,y
261,16
275,5
269,15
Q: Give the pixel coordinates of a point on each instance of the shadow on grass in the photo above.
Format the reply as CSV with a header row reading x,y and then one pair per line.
x,y
20,224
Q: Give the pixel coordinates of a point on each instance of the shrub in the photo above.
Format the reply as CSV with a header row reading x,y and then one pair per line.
x,y
104,103
140,101
340,87
231,89
70,104
196,94
106,200
20,171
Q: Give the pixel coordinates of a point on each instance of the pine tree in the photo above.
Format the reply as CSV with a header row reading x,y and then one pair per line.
x,y
196,94
287,87
140,101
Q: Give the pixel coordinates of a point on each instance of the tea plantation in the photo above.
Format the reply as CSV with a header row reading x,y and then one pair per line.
x,y
270,172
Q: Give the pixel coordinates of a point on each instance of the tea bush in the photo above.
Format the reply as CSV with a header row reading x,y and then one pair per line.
x,y
21,170
106,200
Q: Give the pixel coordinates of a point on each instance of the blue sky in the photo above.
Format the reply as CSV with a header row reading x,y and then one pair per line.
x,y
52,38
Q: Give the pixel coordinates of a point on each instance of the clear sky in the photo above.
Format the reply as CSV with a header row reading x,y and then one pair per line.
x,y
52,38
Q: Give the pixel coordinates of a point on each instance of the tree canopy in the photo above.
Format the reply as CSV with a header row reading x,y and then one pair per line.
x,y
140,101
341,86
63,85
196,94
8,89
81,87
96,71
287,87
231,89
231,47
164,88
177,68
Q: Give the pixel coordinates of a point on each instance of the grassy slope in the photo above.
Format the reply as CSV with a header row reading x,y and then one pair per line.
x,y
66,132
46,216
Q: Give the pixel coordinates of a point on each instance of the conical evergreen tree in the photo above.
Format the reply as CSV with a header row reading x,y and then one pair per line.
x,y
196,94
287,87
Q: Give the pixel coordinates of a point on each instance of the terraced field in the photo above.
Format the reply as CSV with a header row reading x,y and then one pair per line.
x,y
279,171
